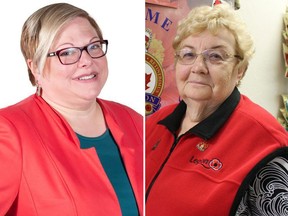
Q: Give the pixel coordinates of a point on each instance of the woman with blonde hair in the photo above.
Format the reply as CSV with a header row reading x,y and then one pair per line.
x,y
64,151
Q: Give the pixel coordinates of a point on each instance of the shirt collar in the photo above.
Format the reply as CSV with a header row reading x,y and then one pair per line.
x,y
209,126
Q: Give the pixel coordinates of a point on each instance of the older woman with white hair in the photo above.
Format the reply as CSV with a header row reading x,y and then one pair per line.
x,y
63,150
215,152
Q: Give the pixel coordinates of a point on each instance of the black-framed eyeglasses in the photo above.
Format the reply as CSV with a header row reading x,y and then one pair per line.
x,y
187,56
71,55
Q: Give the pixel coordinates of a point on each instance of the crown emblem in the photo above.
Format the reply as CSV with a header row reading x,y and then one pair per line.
x,y
148,38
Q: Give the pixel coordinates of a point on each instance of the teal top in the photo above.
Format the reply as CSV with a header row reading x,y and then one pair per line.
x,y
110,157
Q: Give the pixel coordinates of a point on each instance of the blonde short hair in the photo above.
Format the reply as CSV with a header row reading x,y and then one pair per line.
x,y
214,19
41,28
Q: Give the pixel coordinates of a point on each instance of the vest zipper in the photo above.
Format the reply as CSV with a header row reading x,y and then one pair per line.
x,y
161,167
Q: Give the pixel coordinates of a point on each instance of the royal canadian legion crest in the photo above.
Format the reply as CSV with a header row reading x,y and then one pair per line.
x,y
154,75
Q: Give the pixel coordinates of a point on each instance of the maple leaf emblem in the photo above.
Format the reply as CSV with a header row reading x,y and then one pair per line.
x,y
147,80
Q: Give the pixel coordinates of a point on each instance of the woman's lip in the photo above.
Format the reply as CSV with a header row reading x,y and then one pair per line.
x,y
84,77
197,82
88,77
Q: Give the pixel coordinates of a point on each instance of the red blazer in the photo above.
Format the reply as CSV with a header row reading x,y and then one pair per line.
x,y
44,171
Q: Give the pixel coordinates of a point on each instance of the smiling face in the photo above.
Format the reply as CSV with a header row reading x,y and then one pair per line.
x,y
69,85
203,81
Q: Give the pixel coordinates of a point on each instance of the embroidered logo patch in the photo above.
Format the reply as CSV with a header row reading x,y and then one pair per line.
x,y
214,164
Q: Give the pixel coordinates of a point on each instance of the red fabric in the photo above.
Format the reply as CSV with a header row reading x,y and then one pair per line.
x,y
217,2
44,171
195,182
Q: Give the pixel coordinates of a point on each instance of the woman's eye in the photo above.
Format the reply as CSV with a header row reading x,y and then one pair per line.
x,y
67,52
215,56
94,46
188,55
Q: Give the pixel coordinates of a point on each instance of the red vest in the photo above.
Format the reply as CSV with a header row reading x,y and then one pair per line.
x,y
201,177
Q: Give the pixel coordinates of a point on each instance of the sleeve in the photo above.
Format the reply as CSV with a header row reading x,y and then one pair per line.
x,y
10,165
268,193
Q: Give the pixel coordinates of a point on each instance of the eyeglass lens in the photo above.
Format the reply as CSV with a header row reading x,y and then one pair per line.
x,y
73,54
213,56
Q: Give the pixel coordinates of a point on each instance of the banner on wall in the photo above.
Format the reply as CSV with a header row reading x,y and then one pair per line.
x,y
161,19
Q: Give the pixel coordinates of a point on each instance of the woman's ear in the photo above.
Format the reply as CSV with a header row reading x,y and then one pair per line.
x,y
241,70
33,68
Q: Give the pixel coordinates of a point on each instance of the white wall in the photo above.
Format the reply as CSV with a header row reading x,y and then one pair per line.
x,y
264,81
122,23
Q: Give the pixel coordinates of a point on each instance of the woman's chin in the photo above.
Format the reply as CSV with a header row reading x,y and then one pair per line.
x,y
198,94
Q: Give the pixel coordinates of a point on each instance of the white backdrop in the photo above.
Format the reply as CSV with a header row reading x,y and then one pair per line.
x,y
264,81
122,23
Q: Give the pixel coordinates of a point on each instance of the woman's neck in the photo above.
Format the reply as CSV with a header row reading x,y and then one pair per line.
x,y
86,119
195,112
